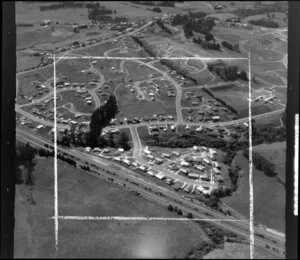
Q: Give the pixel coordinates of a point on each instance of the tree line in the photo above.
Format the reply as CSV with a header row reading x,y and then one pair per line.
x,y
151,3
232,47
264,23
261,163
160,23
228,73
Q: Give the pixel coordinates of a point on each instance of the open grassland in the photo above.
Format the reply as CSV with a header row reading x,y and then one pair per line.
x,y
238,99
240,251
276,154
71,69
144,108
99,49
30,12
25,61
34,231
269,197
138,72
280,18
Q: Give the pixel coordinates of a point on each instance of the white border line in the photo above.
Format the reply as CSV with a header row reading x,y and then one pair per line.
x,y
141,218
251,217
143,58
55,160
56,216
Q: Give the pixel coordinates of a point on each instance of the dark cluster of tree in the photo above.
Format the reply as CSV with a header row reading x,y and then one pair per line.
x,y
264,23
66,159
220,100
175,209
210,45
101,118
232,47
156,10
184,141
146,46
64,4
261,163
123,141
191,25
97,11
268,134
45,152
228,73
233,173
221,192
229,157
151,3
24,24
25,156
269,8
160,23
85,167
217,238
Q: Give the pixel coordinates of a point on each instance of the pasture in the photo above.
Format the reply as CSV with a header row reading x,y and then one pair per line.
x,y
269,197
34,230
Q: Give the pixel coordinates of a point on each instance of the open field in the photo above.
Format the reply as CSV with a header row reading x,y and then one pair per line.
x,y
34,235
25,61
276,154
278,17
269,197
79,103
238,99
138,72
239,251
144,108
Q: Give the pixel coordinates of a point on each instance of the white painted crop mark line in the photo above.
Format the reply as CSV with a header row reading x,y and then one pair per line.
x,y
251,217
108,218
145,58
55,160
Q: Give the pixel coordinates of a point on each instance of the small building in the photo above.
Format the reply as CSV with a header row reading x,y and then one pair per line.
x,y
176,153
39,127
184,171
160,176
193,175
166,155
206,161
97,149
184,163
88,149
215,118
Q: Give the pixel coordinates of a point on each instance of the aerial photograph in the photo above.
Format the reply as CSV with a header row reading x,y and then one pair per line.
x,y
151,129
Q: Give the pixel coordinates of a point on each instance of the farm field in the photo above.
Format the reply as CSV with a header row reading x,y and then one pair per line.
x,y
269,197
27,61
238,99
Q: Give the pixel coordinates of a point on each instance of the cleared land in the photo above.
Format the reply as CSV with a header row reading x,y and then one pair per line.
x,y
269,197
34,235
239,251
